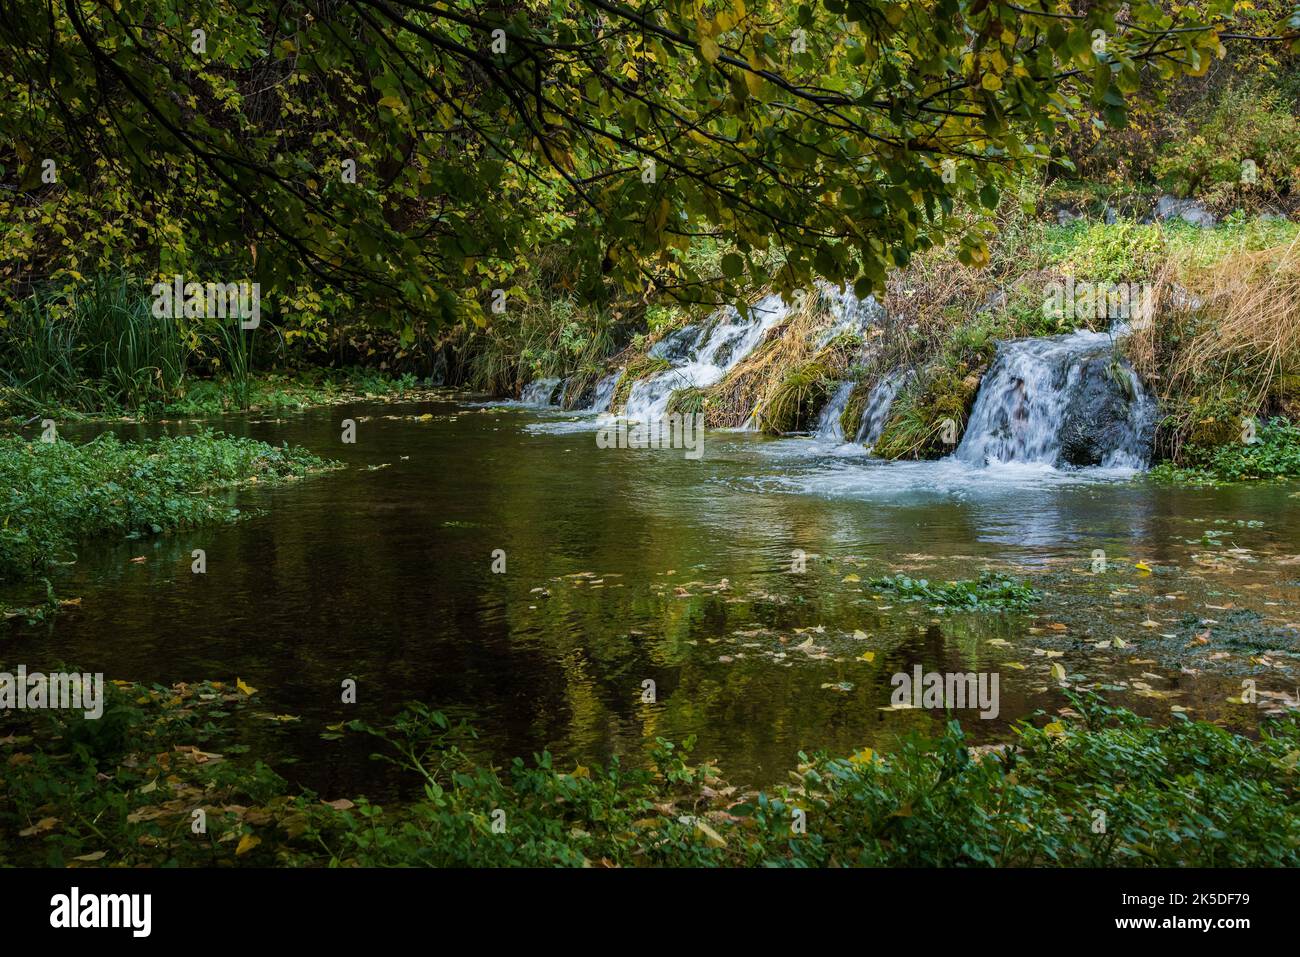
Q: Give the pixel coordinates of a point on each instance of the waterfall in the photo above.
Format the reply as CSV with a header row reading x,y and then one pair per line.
x,y
850,314
702,355
1063,400
828,425
539,392
879,402
604,392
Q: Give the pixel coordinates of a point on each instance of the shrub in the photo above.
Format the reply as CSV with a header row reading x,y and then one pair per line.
x,y
1204,155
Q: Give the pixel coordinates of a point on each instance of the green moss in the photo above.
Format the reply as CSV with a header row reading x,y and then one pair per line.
x,y
917,420
851,417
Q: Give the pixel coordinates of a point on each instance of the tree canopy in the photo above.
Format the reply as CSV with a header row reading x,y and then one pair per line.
x,y
407,159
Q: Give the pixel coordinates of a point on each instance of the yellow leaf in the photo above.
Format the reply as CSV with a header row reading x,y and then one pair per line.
x,y
393,103
867,656
1055,728
1058,672
709,49
246,689
712,836
991,82
246,844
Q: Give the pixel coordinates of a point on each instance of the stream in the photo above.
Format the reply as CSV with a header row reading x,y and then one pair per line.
x,y
736,583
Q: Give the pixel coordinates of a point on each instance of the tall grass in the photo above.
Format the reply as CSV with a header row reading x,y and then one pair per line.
x,y
1224,344
101,348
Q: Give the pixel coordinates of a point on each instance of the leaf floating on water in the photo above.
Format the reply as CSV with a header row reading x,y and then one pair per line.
x,y
1058,672
1142,568
867,656
1013,664
1150,624
860,635
851,578
1000,642
246,689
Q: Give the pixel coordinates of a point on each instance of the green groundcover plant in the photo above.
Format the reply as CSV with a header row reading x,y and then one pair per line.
x,y
54,495
1100,786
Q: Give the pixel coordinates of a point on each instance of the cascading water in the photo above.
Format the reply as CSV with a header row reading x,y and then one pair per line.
x,y
828,425
879,402
1063,400
702,355
850,314
604,392
539,392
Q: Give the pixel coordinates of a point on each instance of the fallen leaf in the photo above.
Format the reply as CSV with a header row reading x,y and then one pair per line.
x,y
246,844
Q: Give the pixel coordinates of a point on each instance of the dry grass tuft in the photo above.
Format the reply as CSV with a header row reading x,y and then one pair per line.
x,y
755,379
1224,343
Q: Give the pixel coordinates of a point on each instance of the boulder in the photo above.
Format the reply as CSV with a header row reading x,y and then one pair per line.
x,y
1188,210
1106,412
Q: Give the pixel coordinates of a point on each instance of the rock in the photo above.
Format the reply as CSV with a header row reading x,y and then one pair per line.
x,y
1105,413
1066,216
1111,217
1188,210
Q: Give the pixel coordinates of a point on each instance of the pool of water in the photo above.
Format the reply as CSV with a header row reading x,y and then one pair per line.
x,y
737,584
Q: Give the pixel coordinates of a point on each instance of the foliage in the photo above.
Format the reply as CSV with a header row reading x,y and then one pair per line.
x,y
618,133
1205,155
990,590
1223,346
1104,787
1274,453
122,788
57,494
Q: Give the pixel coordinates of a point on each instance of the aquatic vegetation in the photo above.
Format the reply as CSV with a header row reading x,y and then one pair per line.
x,y
990,590
1273,453
1099,787
58,494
